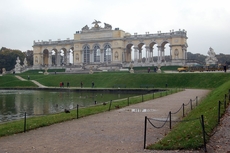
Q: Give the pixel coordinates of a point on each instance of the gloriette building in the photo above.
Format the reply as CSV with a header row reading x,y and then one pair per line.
x,y
104,46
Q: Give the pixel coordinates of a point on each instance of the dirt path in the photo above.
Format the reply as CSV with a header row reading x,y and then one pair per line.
x,y
118,131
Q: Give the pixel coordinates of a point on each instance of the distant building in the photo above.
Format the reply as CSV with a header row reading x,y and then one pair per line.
x,y
103,45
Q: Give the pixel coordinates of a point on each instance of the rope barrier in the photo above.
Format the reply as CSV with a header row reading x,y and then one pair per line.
x,y
187,103
178,110
156,126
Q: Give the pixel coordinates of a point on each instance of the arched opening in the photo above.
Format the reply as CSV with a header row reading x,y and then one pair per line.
x,y
165,52
153,51
129,56
45,57
107,53
86,54
54,57
63,56
144,54
96,53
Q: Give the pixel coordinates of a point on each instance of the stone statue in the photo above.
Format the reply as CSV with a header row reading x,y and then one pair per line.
x,y
25,63
131,68
96,23
46,69
18,66
3,71
211,59
159,68
85,28
91,70
107,26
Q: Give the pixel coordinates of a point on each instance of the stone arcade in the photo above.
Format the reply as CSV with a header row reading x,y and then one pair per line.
x,y
102,46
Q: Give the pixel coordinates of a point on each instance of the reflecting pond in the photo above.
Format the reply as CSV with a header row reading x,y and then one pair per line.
x,y
14,103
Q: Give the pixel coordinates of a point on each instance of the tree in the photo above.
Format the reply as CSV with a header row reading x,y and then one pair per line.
x,y
8,58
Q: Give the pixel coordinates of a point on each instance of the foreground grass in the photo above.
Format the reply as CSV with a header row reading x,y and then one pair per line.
x,y
14,127
188,135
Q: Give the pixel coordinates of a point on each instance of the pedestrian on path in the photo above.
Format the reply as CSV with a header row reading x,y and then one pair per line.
x,y
81,84
28,77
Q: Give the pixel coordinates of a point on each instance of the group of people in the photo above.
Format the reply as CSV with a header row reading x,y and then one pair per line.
x,y
155,69
62,84
67,84
92,84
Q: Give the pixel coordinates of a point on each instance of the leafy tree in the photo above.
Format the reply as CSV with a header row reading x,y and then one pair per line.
x,y
8,58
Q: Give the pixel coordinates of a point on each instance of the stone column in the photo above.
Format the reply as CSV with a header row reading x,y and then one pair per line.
x,y
184,51
151,55
50,59
102,56
81,57
163,53
135,54
91,60
68,58
159,56
184,55
124,56
73,57
42,60
170,50
111,55
140,56
147,54
58,58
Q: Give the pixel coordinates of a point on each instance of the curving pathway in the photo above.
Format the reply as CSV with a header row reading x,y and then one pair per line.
x,y
35,82
116,131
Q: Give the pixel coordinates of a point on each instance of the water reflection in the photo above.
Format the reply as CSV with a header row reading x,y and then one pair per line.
x,y
13,103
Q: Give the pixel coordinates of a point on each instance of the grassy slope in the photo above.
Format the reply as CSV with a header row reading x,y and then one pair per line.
x,y
12,81
188,135
107,80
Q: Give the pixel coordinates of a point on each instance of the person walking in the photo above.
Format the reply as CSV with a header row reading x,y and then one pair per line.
x,y
92,84
68,84
81,84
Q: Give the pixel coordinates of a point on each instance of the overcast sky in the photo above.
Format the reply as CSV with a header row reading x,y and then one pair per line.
x,y
207,22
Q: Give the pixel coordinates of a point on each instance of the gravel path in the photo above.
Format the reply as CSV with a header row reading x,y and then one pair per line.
x,y
116,131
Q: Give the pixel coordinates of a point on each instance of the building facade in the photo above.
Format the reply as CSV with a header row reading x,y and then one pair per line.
x,y
103,45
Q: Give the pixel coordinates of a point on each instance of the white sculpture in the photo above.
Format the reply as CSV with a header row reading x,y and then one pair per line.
x,y
211,59
131,68
46,69
18,66
25,63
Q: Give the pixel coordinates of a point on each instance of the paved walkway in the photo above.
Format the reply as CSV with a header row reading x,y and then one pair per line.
x,y
117,131
35,82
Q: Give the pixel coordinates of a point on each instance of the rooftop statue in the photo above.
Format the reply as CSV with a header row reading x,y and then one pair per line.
x,y
107,26
96,23
85,28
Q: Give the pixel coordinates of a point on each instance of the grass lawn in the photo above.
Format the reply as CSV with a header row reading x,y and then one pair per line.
x,y
183,136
